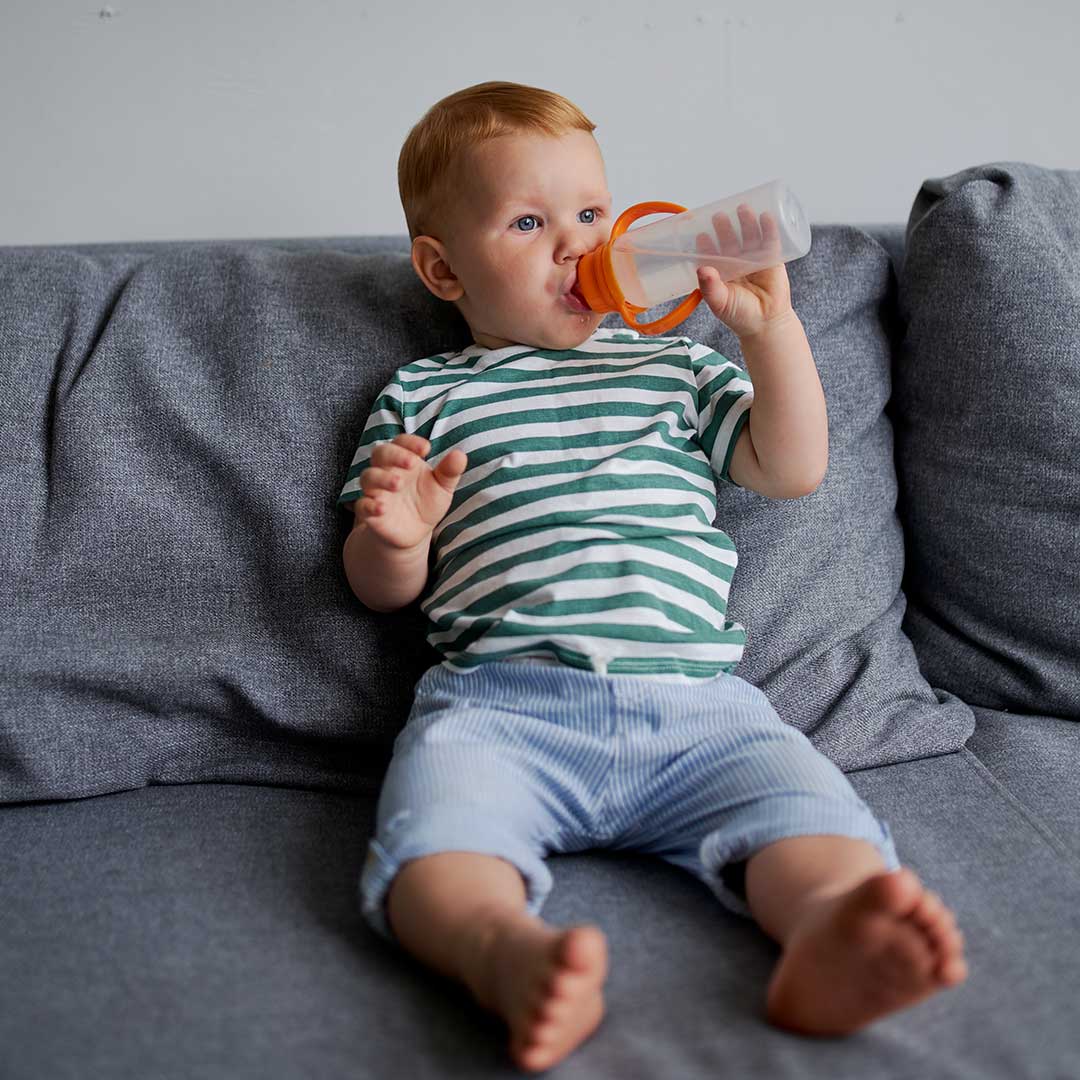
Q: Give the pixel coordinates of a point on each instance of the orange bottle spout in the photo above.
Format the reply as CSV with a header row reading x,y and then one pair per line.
x,y
600,287
593,275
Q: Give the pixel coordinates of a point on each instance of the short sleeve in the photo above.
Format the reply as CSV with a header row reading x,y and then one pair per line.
x,y
384,424
724,396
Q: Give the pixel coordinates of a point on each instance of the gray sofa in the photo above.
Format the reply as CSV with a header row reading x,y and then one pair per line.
x,y
195,713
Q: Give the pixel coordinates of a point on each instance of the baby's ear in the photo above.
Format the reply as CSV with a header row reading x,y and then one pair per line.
x,y
432,266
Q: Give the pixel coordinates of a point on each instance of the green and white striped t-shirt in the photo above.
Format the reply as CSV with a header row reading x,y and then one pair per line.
x,y
581,531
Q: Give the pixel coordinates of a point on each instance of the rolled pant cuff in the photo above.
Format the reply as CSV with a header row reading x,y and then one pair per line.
x,y
715,852
383,863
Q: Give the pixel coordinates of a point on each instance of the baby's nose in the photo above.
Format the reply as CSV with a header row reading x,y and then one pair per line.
x,y
576,246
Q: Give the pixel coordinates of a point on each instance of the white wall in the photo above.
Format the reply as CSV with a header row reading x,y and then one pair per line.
x,y
151,119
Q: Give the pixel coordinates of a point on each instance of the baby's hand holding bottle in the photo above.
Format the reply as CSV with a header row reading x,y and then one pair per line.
x,y
404,498
751,302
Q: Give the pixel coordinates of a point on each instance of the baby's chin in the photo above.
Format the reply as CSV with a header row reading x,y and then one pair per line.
x,y
571,332
567,334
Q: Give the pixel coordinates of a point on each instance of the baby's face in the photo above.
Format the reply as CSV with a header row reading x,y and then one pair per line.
x,y
531,206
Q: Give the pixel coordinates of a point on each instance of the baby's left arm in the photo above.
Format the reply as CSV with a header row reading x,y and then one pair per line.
x,y
783,450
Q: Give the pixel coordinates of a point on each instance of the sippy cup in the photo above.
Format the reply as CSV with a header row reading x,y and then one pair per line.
x,y
636,270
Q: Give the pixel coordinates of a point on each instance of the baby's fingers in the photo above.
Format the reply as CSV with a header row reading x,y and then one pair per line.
x,y
449,471
374,479
416,443
368,507
396,455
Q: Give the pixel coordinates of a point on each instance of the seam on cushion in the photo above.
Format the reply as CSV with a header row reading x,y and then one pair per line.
x,y
1059,846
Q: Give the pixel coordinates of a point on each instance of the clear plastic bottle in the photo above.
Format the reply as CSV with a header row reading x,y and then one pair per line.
x,y
639,269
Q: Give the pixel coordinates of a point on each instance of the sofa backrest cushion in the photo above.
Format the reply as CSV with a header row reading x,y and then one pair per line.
x,y
987,413
176,423
175,419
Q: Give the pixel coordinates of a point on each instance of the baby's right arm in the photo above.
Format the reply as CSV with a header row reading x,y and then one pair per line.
x,y
386,554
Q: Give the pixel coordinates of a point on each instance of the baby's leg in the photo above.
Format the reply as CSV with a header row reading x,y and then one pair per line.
x,y
464,915
858,942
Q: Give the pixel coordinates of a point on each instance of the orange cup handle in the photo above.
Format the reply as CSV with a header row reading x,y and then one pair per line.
x,y
672,318
630,312
640,210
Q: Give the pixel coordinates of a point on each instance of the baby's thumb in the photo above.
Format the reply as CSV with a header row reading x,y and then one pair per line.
x,y
712,288
449,470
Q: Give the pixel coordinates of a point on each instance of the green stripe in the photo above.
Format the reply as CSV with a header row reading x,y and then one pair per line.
x,y
724,571
619,567
505,372
481,455
723,407
691,464
661,665
595,410
588,481
495,628
645,533
509,594
573,517
725,469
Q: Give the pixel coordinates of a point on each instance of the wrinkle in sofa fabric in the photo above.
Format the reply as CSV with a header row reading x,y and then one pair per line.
x,y
1035,759
181,613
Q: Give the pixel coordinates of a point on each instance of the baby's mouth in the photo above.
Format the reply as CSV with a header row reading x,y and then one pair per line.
x,y
575,298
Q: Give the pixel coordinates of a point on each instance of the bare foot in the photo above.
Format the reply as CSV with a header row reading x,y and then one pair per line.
x,y
885,945
547,984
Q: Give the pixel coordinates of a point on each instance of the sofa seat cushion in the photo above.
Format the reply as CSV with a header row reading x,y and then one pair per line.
x,y
1035,759
214,930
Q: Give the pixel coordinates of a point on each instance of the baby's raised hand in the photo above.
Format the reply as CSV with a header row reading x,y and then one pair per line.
x,y
404,498
749,301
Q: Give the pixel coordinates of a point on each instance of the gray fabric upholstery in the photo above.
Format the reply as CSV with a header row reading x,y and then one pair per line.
x,y
987,398
212,930
175,423
1035,759
175,420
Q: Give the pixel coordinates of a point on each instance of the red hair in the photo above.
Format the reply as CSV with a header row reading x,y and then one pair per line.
x,y
435,146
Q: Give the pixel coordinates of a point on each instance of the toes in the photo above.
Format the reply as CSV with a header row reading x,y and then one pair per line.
x,y
929,910
578,960
933,916
533,1058
537,1047
554,1008
555,1021
934,919
938,923
554,1030
953,972
583,949
952,968
950,942
897,892
909,960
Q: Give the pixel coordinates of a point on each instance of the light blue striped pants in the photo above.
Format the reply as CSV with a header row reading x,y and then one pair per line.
x,y
520,760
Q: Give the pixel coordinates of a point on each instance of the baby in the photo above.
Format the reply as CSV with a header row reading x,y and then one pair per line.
x,y
560,477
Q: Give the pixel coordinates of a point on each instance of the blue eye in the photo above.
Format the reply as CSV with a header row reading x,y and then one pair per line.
x,y
587,221
530,228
